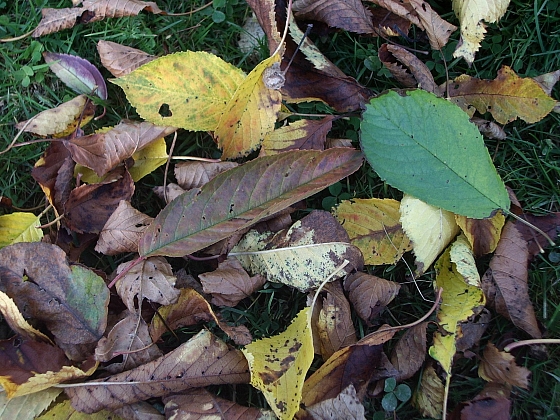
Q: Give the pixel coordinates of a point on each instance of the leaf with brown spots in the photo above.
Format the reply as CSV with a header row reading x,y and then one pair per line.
x,y
120,59
500,367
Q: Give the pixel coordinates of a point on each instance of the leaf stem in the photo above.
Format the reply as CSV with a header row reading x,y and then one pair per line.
x,y
126,270
525,222
521,343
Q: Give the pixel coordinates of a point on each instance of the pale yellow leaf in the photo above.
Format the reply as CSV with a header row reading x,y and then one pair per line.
x,y
27,407
462,256
17,322
148,159
19,227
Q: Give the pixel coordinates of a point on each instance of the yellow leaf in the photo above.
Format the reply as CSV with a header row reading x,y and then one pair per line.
x,y
64,410
429,228
27,407
470,14
373,226
250,114
428,399
188,89
17,322
462,256
279,364
482,234
19,227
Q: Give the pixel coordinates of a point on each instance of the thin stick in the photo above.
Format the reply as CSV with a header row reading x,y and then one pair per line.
x,y
285,34
167,167
126,270
525,222
17,136
521,343
337,269
17,38
200,159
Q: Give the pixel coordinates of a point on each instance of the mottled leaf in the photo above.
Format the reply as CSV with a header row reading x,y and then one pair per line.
x,y
120,59
19,227
500,367
483,234
345,406
300,135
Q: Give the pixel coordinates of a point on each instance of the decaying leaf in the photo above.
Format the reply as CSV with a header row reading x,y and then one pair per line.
x,y
64,410
410,352
483,234
279,364
373,226
492,403
195,174
500,367
17,322
203,360
299,135
462,256
123,230
152,279
27,407
489,129
428,398
120,59
350,15
19,227
470,332
345,406
535,241
230,283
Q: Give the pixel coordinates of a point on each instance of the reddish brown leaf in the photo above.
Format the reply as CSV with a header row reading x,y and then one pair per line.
x,y
203,360
469,333
266,15
138,411
491,404
499,366
195,174
550,224
301,135
510,272
350,15
388,23
410,352
89,206
120,59
437,29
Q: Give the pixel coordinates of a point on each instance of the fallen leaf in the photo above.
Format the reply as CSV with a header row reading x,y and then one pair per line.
x,y
470,14
136,411
19,227
489,129
120,59
500,367
191,175
64,410
470,332
13,317
428,398
462,256
437,29
201,404
300,135
203,360
409,353
345,406
507,97
509,267
279,364
265,13
535,241
373,226
369,294
350,15
429,228
169,193
483,234
123,230
70,300
151,279
483,409
230,283
273,183
27,407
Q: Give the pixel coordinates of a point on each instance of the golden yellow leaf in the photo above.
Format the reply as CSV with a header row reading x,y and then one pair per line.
x,y
19,227
250,114
374,227
470,14
279,364
428,398
429,228
17,322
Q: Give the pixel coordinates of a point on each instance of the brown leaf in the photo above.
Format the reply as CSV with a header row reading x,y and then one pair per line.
x,y
535,241
499,366
265,13
389,23
195,174
369,294
418,73
409,353
345,406
169,193
489,129
123,230
437,29
469,333
350,15
302,134
335,326
130,339
428,398
138,411
200,404
152,279
483,234
230,283
509,267
54,20
120,59
488,405
203,360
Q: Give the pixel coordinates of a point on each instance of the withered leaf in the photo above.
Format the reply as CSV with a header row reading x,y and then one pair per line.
x,y
350,15
483,234
489,129
410,352
169,193
549,223
138,411
499,366
469,333
152,279
195,174
230,283
203,360
345,406
483,409
428,398
509,267
89,206
120,59
369,294
13,317
301,134
123,230
437,29
266,15
201,404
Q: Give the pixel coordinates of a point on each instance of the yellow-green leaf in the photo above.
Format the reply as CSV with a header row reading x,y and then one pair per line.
x,y
462,256
249,115
19,227
188,89
374,227
279,364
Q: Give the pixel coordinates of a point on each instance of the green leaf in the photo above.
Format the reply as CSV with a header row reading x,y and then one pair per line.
x,y
19,227
390,384
242,196
403,392
427,147
389,402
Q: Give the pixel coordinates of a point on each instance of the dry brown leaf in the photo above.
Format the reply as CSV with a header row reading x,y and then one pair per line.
x,y
345,406
168,193
388,23
482,234
54,20
428,398
350,15
301,135
334,323
418,74
120,59
437,29
536,242
200,404
130,339
138,411
265,13
152,279
409,353
489,129
509,267
230,283
369,294
17,322
469,333
195,174
499,366
123,230
203,360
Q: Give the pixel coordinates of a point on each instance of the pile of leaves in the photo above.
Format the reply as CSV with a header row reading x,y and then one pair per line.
x,y
235,217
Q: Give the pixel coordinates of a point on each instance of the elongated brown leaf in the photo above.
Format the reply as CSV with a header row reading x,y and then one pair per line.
x,y
242,196
195,174
203,360
410,352
350,15
120,59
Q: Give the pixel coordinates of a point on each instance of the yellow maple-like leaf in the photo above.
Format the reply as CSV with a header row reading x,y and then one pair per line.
x,y
19,227
429,228
188,89
250,114
507,97
374,227
470,14
279,364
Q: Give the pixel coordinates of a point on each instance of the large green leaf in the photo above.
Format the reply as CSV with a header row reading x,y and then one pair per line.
x,y
428,148
242,196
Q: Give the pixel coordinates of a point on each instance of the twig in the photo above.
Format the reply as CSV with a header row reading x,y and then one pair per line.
x,y
126,270
17,38
521,343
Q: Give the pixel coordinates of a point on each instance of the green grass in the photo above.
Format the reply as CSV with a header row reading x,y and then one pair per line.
x,y
527,39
